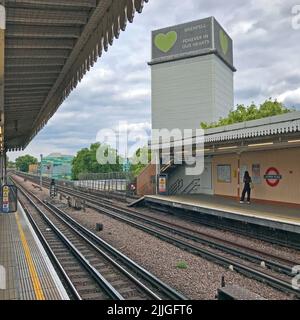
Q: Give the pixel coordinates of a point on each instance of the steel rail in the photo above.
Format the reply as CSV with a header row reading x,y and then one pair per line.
x,y
212,256
101,281
204,239
52,255
83,232
227,262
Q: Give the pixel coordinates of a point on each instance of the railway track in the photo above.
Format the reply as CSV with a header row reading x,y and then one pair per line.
x,y
91,268
269,236
274,262
154,227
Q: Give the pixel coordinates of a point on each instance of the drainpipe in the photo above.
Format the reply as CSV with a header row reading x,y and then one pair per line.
x,y
157,156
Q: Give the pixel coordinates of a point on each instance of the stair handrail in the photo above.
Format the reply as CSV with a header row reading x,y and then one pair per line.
x,y
193,184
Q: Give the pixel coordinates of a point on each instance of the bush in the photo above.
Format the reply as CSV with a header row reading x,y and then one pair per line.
x,y
241,114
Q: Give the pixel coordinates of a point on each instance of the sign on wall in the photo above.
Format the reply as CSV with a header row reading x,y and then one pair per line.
x,y
273,177
190,39
243,169
224,173
256,174
162,184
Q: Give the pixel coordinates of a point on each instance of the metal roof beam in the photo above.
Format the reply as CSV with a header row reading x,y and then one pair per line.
x,y
20,90
41,44
16,104
36,98
18,109
25,94
53,32
43,72
46,17
37,54
49,4
39,63
20,118
17,84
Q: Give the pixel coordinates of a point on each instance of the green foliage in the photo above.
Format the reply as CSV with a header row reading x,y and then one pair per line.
x,y
86,162
23,163
241,114
11,165
137,167
182,265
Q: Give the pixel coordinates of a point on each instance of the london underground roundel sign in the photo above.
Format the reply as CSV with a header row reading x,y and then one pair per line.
x,y
273,177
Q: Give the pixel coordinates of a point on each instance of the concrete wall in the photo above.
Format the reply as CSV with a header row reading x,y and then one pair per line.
x,y
188,92
223,87
286,161
204,181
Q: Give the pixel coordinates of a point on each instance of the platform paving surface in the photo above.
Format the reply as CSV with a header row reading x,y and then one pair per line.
x,y
26,272
280,213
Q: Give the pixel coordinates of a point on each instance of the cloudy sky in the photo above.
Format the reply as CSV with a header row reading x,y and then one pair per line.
x,y
266,53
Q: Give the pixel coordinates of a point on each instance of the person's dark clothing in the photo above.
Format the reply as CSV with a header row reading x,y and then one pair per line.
x,y
247,189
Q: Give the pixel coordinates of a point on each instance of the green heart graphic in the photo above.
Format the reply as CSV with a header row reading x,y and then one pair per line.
x,y
224,42
165,42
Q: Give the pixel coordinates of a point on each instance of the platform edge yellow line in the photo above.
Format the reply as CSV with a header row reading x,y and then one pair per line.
x,y
39,294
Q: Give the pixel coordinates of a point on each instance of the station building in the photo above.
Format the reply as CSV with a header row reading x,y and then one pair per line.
x,y
268,148
57,166
192,82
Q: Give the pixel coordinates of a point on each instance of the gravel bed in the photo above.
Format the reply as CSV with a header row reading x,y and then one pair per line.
x,y
288,253
200,280
284,252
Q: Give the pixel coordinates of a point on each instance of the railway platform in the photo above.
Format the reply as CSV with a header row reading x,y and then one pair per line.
x,y
277,217
26,273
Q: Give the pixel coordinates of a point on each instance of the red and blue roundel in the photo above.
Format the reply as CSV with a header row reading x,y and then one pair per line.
x,y
273,177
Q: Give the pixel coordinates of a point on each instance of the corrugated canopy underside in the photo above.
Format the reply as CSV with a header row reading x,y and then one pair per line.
x,y
49,47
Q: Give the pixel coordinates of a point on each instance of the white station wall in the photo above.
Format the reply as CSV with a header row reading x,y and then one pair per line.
x,y
190,91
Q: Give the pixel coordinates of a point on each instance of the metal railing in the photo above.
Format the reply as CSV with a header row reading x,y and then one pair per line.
x,y
107,176
103,185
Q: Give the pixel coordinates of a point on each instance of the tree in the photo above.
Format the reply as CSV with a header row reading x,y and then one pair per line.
x,y
138,167
23,163
11,165
86,161
241,114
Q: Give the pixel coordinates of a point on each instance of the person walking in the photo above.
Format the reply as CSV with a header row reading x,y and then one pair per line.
x,y
247,188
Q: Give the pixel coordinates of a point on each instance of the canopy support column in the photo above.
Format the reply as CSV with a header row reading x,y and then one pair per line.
x,y
2,68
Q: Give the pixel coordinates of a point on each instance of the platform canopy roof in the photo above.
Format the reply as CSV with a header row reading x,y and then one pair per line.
x,y
49,47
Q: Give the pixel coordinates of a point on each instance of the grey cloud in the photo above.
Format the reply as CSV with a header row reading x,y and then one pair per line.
x,y
266,52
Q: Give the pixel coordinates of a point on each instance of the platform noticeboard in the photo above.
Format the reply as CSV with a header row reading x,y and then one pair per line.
x,y
163,184
9,199
256,173
224,173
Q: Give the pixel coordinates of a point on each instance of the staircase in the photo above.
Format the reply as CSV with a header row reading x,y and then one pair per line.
x,y
168,168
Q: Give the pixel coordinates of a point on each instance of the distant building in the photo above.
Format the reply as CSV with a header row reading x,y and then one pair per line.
x,y
192,75
57,166
33,168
